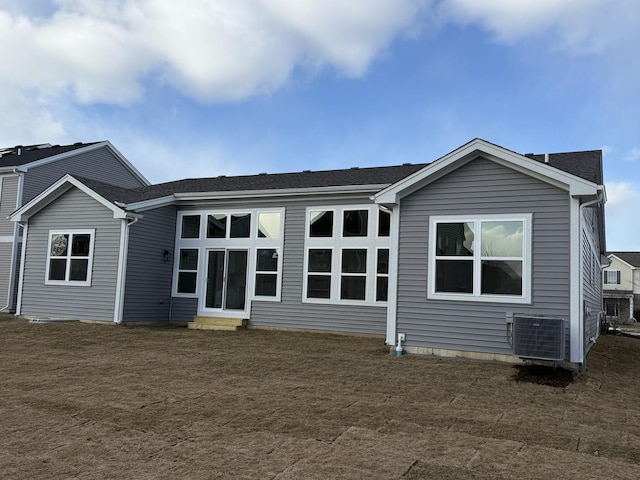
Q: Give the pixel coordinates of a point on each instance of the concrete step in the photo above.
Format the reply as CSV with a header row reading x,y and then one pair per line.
x,y
217,323
235,322
200,326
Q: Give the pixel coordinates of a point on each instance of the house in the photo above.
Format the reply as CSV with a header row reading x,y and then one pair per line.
x,y
482,253
621,287
25,171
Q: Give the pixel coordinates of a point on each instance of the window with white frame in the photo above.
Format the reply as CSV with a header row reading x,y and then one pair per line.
x,y
259,232
483,258
346,254
70,257
187,270
612,277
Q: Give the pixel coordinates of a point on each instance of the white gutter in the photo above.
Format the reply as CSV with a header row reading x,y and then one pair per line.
x,y
247,194
22,262
392,294
283,192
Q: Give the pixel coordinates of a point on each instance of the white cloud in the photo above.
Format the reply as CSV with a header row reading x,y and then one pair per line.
x,y
579,26
101,50
30,124
633,155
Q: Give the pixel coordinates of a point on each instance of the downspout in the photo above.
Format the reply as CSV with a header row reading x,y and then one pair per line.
x,y
598,200
122,269
14,246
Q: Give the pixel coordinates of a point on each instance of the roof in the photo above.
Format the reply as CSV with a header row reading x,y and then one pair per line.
x,y
577,169
632,258
568,171
276,181
21,155
586,164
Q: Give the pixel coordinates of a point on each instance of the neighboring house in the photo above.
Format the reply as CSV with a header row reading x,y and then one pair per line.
x,y
621,287
25,171
483,253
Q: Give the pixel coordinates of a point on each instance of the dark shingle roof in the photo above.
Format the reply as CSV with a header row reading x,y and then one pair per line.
x,y
587,164
632,258
30,153
275,181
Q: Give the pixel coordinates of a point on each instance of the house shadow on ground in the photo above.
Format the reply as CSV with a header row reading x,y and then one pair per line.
x,y
543,375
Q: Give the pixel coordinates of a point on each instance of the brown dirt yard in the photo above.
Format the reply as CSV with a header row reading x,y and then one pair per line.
x,y
98,401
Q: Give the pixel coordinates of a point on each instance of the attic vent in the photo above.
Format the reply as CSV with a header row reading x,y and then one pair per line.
x,y
538,337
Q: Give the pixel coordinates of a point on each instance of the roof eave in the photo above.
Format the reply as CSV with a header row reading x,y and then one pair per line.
x,y
56,190
576,186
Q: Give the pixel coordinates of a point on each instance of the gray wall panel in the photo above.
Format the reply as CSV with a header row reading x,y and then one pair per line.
x,y
592,276
478,188
148,282
183,309
74,210
8,198
99,164
5,265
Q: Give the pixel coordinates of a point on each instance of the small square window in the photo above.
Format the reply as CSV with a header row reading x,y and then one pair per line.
x,y
319,286
241,225
321,224
217,226
190,226
269,225
320,260
355,223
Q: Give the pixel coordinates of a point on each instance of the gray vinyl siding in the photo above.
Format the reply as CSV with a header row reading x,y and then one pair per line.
x,y
481,187
73,210
183,309
99,164
148,280
591,277
8,199
5,266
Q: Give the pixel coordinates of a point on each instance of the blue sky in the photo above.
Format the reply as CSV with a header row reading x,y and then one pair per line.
x,y
211,87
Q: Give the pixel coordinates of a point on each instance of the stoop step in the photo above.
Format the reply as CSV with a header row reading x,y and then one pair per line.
x,y
217,323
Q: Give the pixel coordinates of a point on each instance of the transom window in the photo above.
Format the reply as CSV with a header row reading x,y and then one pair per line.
x,y
483,258
343,261
70,257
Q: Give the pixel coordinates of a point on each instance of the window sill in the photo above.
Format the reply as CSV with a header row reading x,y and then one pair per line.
x,y
453,297
353,303
67,284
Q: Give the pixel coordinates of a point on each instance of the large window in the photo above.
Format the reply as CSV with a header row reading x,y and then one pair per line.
x,y
70,257
259,233
482,258
347,255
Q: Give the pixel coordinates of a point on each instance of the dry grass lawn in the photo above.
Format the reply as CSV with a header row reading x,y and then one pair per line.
x,y
98,401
